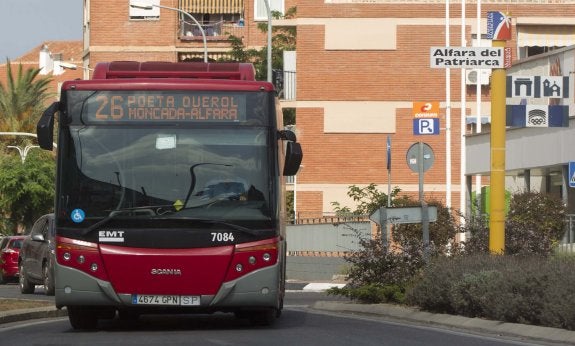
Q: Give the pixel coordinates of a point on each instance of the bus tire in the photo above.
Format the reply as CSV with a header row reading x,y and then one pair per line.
x,y
82,318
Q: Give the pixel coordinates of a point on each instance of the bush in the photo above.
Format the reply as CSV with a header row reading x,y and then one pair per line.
x,y
441,232
383,265
519,289
372,294
534,225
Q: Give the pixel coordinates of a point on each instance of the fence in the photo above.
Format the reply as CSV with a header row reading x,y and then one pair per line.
x,y
568,241
315,249
326,238
316,245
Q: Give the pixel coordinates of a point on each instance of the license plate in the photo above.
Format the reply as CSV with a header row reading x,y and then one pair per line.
x,y
151,299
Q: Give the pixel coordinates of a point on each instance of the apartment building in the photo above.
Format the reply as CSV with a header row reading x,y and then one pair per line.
x,y
360,65
127,30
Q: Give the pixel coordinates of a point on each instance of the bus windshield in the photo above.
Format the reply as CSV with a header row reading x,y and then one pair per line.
x,y
165,173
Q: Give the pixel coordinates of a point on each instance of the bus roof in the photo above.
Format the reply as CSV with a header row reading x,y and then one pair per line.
x,y
158,69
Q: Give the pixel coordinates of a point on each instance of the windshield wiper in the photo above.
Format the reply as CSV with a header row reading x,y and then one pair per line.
x,y
145,210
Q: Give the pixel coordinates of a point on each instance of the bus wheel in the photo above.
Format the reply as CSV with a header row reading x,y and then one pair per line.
x,y
82,318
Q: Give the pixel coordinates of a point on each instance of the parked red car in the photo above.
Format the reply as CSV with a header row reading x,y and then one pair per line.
x,y
9,251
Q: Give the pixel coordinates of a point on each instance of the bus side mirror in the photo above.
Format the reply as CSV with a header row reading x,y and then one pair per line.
x,y
45,127
293,158
287,135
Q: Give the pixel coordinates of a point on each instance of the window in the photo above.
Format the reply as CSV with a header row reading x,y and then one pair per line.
x,y
261,10
138,13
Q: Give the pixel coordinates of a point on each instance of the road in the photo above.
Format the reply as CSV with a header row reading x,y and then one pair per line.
x,y
299,325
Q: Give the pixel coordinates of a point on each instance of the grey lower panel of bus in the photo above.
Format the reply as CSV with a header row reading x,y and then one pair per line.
x,y
257,289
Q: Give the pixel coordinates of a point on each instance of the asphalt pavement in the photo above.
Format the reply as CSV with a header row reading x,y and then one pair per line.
x,y
392,312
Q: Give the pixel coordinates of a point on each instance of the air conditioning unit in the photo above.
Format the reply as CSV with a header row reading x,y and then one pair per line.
x,y
471,76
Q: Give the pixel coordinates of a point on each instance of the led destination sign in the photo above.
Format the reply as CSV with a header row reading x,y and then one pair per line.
x,y
163,106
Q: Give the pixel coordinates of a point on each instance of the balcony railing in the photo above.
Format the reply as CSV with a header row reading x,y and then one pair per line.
x,y
215,31
285,84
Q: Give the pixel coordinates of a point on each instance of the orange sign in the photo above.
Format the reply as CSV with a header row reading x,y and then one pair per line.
x,y
426,109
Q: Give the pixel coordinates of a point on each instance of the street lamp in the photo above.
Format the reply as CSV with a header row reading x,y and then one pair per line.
x,y
136,4
23,152
267,3
27,134
74,66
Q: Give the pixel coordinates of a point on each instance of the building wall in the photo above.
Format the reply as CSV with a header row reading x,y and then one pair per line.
x,y
113,35
360,68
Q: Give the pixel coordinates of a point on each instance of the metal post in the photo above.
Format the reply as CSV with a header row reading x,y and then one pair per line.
x,y
23,152
497,196
424,208
269,55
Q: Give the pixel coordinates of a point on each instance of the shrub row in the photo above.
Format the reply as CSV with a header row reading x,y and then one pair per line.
x,y
519,289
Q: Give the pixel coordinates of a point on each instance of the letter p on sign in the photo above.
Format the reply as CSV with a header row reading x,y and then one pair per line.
x,y
426,126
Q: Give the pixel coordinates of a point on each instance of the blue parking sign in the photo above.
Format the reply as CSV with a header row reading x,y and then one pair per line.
x,y
426,126
571,173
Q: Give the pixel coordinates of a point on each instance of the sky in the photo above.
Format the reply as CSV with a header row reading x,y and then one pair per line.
x,y
25,24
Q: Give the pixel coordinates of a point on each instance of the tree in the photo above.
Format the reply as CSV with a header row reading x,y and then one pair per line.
x,y
22,99
283,39
368,200
26,189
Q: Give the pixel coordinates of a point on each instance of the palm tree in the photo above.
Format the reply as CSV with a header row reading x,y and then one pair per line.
x,y
22,99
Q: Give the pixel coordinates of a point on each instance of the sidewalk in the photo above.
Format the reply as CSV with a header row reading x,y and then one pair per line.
x,y
409,314
30,314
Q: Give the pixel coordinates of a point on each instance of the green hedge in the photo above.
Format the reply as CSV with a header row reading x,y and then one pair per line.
x,y
520,289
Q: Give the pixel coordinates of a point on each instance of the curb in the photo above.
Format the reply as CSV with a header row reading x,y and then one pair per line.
x,y
30,314
535,333
320,286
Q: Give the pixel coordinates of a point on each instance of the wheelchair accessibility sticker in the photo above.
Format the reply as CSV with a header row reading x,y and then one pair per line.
x,y
78,215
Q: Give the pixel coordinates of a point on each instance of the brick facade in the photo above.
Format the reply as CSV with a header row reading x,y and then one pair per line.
x,y
390,72
399,76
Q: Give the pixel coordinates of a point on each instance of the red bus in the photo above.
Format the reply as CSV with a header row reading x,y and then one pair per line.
x,y
170,192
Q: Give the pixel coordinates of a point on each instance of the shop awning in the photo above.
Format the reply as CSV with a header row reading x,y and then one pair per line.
x,y
545,35
212,6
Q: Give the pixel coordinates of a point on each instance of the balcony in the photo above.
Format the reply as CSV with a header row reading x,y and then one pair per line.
x,y
215,31
285,84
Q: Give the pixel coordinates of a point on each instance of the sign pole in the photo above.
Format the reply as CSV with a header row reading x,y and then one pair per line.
x,y
386,228
497,195
424,211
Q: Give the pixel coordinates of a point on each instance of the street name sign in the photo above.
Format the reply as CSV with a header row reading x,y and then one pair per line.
x,y
403,215
469,57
